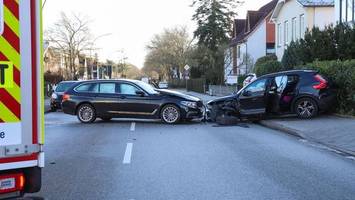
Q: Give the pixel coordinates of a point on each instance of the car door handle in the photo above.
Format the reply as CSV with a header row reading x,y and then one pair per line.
x,y
122,97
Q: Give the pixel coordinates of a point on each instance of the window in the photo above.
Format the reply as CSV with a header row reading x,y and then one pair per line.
x,y
286,38
281,82
107,88
1,17
64,86
128,89
257,86
302,26
346,10
294,29
238,52
89,87
279,35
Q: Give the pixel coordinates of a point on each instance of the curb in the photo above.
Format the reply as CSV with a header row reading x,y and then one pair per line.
x,y
279,127
298,134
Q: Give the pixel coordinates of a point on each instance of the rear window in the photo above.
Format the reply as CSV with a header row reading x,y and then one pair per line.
x,y
88,87
62,87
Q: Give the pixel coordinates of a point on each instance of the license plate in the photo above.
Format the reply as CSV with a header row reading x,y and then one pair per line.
x,y
8,183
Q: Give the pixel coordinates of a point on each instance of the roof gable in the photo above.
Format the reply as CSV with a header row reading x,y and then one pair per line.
x,y
253,19
304,3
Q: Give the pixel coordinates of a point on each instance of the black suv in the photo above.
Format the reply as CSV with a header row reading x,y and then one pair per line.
x,y
108,99
303,92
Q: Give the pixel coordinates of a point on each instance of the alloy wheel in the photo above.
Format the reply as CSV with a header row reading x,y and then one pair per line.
x,y
171,114
86,114
306,108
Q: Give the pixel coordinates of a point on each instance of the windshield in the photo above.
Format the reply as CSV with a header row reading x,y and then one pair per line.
x,y
148,88
62,87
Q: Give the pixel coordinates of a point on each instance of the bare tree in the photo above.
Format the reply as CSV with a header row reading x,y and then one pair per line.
x,y
167,52
71,34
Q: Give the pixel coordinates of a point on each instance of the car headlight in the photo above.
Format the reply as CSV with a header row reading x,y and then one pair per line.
x,y
54,96
189,104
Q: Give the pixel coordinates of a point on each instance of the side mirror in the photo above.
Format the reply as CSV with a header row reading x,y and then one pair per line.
x,y
140,93
246,93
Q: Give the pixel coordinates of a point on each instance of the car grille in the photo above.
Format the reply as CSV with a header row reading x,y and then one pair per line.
x,y
199,104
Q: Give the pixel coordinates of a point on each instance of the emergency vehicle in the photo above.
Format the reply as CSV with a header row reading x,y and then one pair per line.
x,y
21,97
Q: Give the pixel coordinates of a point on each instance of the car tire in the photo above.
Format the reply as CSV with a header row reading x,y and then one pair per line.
x,y
306,108
106,119
86,113
170,114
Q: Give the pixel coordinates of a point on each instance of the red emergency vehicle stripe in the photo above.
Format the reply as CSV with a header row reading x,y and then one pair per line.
x,y
11,103
13,7
34,72
11,37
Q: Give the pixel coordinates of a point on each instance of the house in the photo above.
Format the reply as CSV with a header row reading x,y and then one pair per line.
x,y
294,17
54,61
253,37
344,10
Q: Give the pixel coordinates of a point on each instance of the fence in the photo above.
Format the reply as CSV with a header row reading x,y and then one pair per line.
x,y
196,85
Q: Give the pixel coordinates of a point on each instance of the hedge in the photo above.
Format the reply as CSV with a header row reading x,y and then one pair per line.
x,y
266,65
342,75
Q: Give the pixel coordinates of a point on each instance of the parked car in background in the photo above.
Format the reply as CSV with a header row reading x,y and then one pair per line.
x,y
249,78
107,99
303,92
163,85
56,97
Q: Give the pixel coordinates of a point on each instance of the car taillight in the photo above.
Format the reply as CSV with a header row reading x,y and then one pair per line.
x,y
11,182
322,82
66,97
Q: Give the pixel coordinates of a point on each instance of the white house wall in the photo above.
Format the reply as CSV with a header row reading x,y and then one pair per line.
x,y
290,10
320,16
242,52
313,16
256,44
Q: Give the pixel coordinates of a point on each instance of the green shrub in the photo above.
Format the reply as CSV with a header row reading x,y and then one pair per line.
x,y
342,75
267,67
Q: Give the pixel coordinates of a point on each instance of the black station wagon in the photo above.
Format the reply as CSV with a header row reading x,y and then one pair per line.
x,y
107,99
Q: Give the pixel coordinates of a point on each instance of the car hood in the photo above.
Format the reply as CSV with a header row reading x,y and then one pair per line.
x,y
178,94
221,99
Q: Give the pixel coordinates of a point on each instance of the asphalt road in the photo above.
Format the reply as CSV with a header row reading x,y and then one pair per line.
x,y
121,160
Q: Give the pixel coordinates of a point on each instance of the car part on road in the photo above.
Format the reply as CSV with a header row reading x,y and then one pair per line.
x,y
306,108
227,120
86,113
170,114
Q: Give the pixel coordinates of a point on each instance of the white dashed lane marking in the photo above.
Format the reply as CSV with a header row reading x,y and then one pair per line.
x,y
133,126
128,154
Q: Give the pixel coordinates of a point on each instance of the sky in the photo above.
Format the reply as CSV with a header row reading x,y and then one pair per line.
x,y
129,25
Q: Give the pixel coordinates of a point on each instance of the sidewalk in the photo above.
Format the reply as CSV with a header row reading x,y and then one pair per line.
x,y
335,132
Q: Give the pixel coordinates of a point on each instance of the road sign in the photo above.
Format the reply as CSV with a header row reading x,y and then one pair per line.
x,y
187,67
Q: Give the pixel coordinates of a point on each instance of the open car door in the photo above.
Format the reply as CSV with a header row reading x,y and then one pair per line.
x,y
252,99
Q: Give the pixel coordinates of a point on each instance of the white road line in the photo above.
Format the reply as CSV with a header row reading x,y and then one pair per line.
x,y
133,126
128,154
